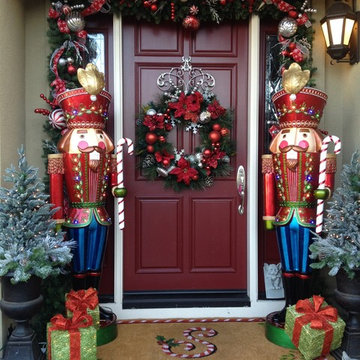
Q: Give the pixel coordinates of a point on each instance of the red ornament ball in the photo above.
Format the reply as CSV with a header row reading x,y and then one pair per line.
x,y
224,132
214,136
191,23
207,152
166,162
292,46
153,7
151,138
71,69
195,178
162,139
222,2
150,149
216,127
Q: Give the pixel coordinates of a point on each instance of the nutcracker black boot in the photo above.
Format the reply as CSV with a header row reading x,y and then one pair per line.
x,y
93,280
289,291
303,286
79,281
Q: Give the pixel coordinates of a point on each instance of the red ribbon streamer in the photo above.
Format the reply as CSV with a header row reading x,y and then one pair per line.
x,y
72,325
93,8
318,319
286,7
81,300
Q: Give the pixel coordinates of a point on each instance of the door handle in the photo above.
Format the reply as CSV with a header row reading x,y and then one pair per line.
x,y
241,187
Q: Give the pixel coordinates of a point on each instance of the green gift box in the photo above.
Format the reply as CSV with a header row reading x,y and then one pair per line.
x,y
86,301
71,339
314,327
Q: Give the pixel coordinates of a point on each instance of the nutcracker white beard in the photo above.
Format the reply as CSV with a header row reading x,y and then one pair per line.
x,y
94,160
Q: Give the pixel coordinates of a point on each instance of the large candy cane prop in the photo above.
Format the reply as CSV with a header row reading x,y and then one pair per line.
x,y
322,176
120,175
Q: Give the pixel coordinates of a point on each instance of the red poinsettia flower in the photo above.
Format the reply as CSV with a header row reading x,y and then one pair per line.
x,y
216,110
179,106
154,121
193,101
212,160
184,171
187,106
164,157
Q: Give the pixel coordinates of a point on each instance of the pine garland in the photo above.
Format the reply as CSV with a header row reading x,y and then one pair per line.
x,y
339,247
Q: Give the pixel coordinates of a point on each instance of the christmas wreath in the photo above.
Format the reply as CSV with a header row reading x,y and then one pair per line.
x,y
196,111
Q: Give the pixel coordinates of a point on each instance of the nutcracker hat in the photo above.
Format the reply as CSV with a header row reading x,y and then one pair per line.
x,y
86,107
297,105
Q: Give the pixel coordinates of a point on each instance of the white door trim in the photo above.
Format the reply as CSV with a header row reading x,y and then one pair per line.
x,y
257,307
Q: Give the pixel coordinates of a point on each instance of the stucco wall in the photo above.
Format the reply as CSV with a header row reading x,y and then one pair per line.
x,y
12,93
12,80
36,65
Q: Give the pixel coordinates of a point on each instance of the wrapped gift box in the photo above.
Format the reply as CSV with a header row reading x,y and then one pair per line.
x,y
71,339
314,327
84,301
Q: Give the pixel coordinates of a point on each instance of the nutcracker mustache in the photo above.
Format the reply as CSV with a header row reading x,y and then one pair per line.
x,y
295,148
90,149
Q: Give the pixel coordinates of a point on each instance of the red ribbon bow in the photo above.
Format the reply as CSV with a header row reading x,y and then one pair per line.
x,y
317,317
82,300
72,325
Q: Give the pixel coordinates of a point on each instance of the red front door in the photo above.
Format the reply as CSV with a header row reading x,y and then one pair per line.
x,y
193,240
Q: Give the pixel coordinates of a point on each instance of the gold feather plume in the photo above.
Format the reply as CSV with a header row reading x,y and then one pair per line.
x,y
91,79
294,79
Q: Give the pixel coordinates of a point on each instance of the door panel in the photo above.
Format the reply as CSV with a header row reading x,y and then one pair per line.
x,y
193,240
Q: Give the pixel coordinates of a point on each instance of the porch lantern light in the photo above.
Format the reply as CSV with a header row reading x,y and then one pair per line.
x,y
340,29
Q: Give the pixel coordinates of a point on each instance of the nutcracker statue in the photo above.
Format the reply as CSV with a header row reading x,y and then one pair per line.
x,y
291,180
86,163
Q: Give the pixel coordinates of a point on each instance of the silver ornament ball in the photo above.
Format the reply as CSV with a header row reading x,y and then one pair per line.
x,y
62,62
287,27
151,112
75,21
226,159
205,117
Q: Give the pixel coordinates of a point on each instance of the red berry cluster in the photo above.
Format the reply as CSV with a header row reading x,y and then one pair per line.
x,y
151,4
172,11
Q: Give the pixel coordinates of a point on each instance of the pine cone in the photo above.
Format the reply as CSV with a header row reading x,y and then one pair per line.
x,y
209,181
148,161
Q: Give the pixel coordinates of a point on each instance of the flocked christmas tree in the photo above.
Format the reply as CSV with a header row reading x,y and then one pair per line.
x,y
29,243
339,247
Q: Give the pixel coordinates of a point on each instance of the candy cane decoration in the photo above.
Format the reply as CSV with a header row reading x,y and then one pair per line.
x,y
322,176
203,332
120,175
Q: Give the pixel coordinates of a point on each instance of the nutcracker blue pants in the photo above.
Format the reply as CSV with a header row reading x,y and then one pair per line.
x,y
90,246
294,241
